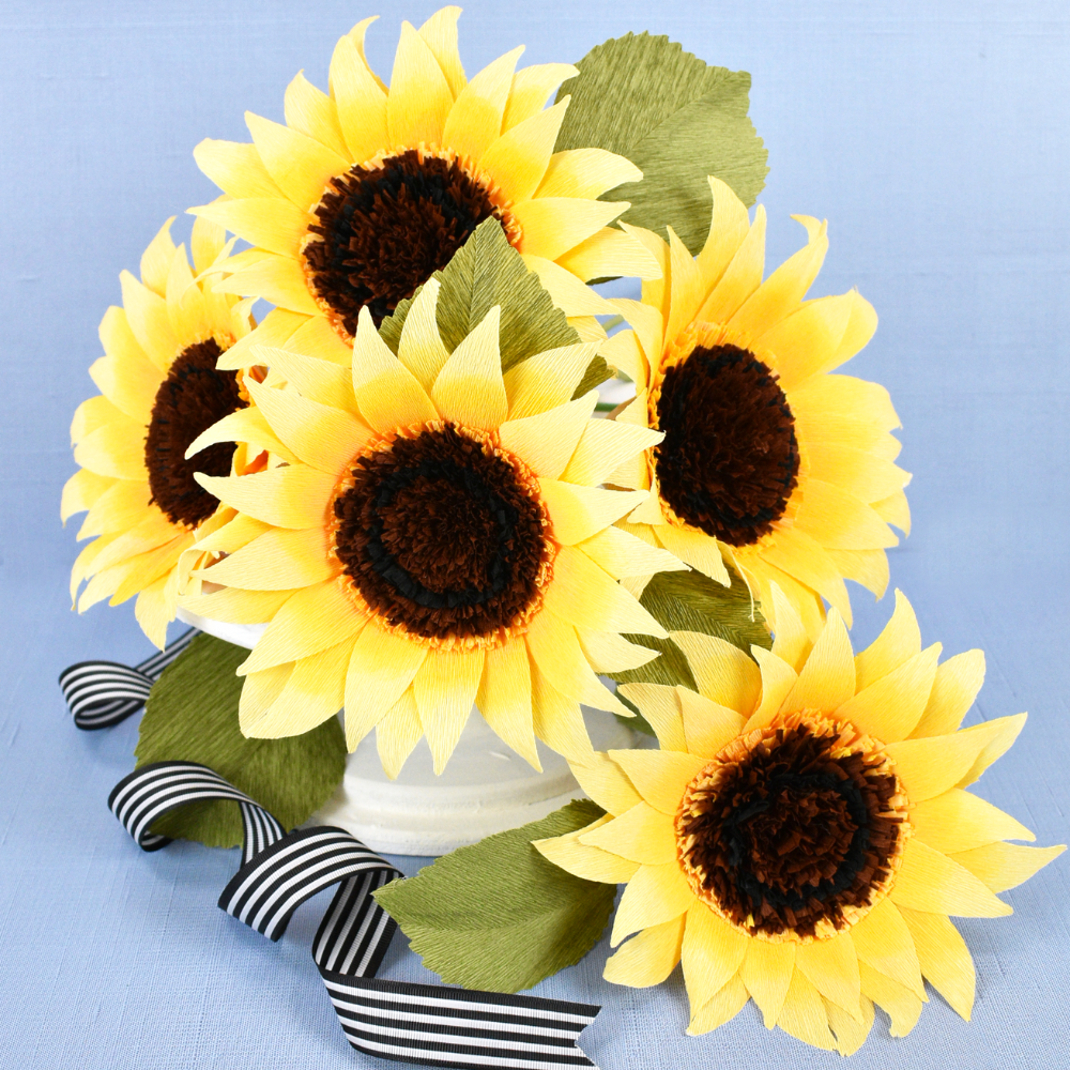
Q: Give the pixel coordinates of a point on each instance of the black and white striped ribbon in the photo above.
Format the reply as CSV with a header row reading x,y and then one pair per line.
x,y
414,1023
103,693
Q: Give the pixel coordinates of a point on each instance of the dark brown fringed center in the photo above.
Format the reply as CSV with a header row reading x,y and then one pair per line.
x,y
794,835
385,230
192,398
729,460
442,536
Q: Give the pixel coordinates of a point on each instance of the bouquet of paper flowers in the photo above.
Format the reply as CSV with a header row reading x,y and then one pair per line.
x,y
447,479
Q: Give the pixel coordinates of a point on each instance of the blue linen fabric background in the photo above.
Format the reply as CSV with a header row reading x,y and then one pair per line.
x,y
936,139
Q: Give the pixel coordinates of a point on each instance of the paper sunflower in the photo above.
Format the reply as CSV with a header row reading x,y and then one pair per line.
x,y
436,536
804,832
159,390
768,462
366,191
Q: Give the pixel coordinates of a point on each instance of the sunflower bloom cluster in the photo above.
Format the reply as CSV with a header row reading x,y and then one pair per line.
x,y
160,389
804,833
769,462
432,535
365,191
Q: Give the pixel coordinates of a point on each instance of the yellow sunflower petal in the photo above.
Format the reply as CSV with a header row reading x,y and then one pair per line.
x,y
269,222
648,958
858,473
741,278
930,881
605,782
397,734
420,98
281,559
311,112
897,644
278,279
605,253
766,970
420,348
654,895
1005,865
545,442
547,379
894,510
712,952
850,1033
956,685
778,678
578,513
317,380
381,668
83,490
806,341
803,1015
517,160
604,446
896,1000
724,674
469,389
291,497
728,229
719,1008
552,226
588,863
586,173
312,620
609,652
323,437
882,940
960,821
791,643
237,606
838,520
622,554
555,649
531,88
697,549
558,720
660,706
890,708
642,834
504,698
275,329
312,694
120,508
388,395
440,34
832,967
146,312
249,426
259,691
299,166
131,387
709,727
446,687
930,766
945,960
155,609
659,776
803,559
358,96
476,117
236,168
827,680
119,342
156,259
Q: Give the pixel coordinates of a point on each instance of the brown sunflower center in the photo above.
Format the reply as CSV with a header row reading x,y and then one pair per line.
x,y
192,398
729,460
383,231
793,831
444,535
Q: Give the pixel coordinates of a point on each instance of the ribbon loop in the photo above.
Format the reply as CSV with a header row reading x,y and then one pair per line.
x,y
415,1023
100,694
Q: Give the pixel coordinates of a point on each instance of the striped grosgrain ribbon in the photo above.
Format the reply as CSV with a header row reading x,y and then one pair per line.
x,y
103,693
405,1022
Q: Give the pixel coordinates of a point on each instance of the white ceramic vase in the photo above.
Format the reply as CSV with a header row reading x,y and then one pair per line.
x,y
485,787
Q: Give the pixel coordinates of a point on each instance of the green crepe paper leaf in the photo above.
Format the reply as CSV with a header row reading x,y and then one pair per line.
x,y
676,118
691,602
192,716
487,271
498,916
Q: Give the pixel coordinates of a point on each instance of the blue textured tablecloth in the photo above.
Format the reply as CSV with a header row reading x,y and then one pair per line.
x,y
935,137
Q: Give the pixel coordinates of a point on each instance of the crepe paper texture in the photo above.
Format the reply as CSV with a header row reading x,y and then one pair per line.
x,y
770,463
366,190
497,915
158,390
429,534
804,834
676,118
691,602
192,716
